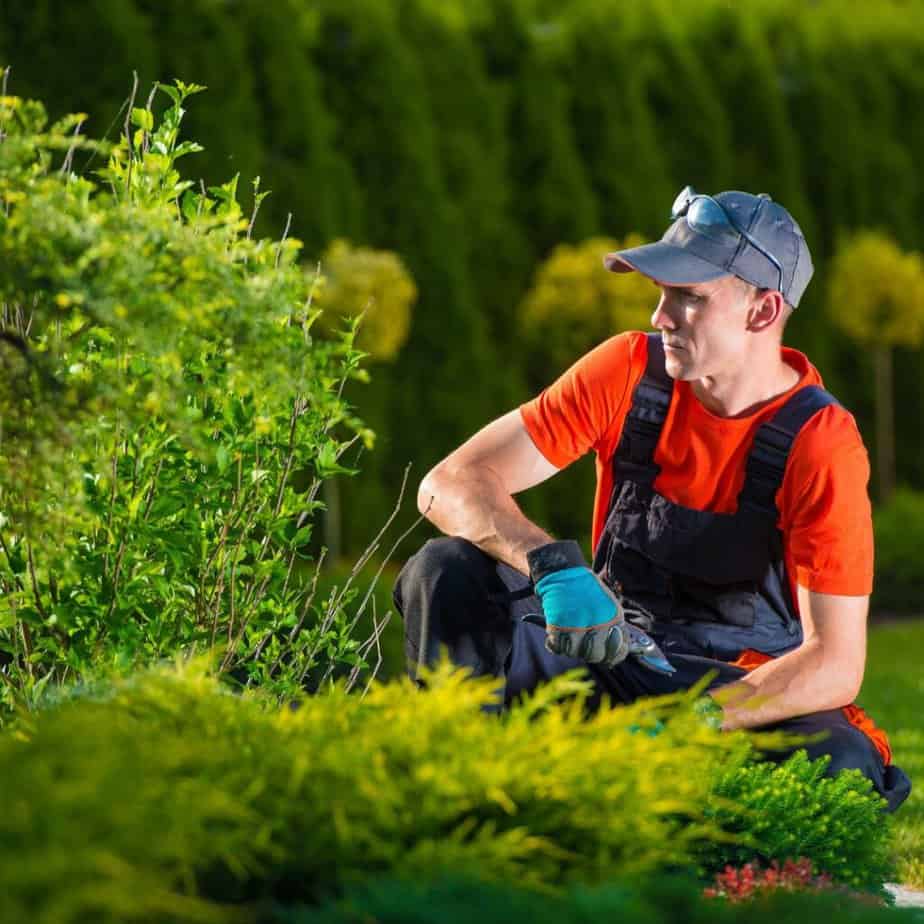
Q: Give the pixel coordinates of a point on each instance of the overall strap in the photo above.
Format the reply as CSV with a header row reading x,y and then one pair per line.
x,y
634,456
773,441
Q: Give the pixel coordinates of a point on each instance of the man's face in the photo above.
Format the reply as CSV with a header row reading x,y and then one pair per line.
x,y
703,327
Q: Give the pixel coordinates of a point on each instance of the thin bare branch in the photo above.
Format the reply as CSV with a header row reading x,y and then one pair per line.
x,y
297,628
69,157
363,560
6,75
290,457
128,133
282,241
34,581
257,199
147,106
9,560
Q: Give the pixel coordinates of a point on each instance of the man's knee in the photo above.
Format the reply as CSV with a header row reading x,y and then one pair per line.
x,y
447,565
849,749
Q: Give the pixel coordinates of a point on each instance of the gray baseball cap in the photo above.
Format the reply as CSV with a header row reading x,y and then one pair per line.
x,y
730,234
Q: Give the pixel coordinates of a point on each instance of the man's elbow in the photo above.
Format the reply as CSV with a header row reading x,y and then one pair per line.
x,y
844,685
431,486
853,683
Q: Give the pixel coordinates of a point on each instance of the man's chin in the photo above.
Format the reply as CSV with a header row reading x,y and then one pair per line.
x,y
677,365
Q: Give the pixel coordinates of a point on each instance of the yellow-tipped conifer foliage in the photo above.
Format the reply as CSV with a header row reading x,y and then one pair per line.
x,y
166,798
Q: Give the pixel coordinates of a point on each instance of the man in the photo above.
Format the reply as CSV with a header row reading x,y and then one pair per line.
x,y
732,528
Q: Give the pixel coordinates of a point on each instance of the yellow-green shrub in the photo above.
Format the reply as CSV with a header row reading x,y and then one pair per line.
x,y
166,798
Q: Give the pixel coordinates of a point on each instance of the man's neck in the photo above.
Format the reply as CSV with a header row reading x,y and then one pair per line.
x,y
743,392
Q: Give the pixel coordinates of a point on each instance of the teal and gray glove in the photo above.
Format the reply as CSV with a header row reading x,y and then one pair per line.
x,y
583,617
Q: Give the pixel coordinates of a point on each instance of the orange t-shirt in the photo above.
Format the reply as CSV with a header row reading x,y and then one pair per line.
x,y
824,507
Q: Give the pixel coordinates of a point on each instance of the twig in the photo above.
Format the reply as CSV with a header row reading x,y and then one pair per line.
x,y
290,455
26,646
112,496
373,640
379,629
202,198
34,580
69,157
6,74
220,585
370,550
9,560
128,135
282,241
381,567
147,138
297,628
257,199
245,621
424,640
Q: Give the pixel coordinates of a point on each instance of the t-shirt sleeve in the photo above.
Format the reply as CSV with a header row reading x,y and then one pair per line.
x,y
826,512
578,412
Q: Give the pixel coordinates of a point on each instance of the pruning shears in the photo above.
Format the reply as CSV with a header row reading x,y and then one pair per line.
x,y
642,646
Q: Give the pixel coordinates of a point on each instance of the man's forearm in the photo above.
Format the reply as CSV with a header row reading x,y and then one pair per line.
x,y
794,684
475,506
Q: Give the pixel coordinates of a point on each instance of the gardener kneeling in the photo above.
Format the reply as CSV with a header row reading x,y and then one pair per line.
x,y
732,528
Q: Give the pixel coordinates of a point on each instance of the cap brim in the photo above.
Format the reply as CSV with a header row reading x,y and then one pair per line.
x,y
665,263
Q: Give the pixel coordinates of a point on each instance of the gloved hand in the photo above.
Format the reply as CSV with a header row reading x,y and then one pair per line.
x,y
583,617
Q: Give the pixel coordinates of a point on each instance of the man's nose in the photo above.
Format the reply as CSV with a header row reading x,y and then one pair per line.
x,y
661,318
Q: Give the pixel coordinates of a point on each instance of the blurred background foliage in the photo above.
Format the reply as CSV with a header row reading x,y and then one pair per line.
x,y
473,139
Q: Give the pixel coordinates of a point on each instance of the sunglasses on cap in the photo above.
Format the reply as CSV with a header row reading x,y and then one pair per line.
x,y
706,216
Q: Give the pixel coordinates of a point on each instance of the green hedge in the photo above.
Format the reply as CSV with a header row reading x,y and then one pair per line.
x,y
899,527
472,137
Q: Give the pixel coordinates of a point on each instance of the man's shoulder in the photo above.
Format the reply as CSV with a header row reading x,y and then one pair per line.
x,y
829,425
830,440
617,362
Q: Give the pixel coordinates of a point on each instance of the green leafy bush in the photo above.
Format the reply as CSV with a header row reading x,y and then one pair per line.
x,y
165,795
791,810
169,417
899,528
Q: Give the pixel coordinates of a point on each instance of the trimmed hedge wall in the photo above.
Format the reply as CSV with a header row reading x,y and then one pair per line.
x,y
472,137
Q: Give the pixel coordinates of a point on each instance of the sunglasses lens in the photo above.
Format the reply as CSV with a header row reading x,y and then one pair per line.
x,y
708,218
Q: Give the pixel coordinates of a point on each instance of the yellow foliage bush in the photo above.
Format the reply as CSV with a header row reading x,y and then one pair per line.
x,y
877,291
575,302
163,797
372,283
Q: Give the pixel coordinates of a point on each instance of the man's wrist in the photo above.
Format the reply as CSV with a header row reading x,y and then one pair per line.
x,y
554,556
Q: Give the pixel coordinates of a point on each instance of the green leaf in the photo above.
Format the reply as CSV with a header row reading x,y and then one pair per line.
x,y
143,118
170,91
187,147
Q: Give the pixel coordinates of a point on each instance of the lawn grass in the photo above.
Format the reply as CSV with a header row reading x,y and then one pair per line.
x,y
893,692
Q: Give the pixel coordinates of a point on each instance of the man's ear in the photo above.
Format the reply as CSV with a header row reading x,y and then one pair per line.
x,y
766,309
